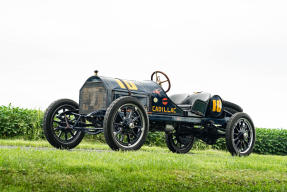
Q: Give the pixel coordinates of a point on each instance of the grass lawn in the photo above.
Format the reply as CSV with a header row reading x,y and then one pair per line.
x,y
149,169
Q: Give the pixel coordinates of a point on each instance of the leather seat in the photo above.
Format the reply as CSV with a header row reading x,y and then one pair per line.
x,y
178,98
186,99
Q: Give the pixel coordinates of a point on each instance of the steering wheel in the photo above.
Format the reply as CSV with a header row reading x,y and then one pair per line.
x,y
158,75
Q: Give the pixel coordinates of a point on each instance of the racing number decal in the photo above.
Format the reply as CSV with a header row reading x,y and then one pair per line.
x,y
120,84
216,105
130,85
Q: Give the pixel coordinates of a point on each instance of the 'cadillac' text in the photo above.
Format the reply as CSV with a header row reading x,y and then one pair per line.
x,y
163,109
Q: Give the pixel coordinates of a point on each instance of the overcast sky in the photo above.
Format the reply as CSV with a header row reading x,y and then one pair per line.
x,y
236,49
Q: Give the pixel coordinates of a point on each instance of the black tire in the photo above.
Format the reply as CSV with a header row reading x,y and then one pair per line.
x,y
231,107
123,129
240,134
53,113
179,144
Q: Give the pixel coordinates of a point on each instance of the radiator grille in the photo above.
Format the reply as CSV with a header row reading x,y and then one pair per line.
x,y
92,97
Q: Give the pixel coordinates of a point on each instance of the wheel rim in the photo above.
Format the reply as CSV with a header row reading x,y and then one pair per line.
x,y
242,135
128,125
62,122
181,141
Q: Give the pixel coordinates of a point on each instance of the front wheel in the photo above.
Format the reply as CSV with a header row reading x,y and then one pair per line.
x,y
59,118
240,134
179,143
126,124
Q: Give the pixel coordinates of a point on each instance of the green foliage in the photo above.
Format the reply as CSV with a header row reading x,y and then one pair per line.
x,y
156,138
268,141
271,141
18,122
27,124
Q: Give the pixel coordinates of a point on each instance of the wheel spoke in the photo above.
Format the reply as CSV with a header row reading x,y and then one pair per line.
x,y
60,117
138,127
246,142
117,132
130,113
57,128
242,145
175,141
128,138
54,121
236,139
66,120
72,133
60,134
121,138
66,136
236,135
121,115
118,124
133,132
237,144
156,77
241,123
236,128
136,118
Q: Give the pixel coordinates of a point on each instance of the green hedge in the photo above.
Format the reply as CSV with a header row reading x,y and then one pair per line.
x,y
27,124
268,141
271,141
20,123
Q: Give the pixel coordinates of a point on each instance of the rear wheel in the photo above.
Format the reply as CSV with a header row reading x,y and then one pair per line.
x,y
126,124
240,134
59,118
179,143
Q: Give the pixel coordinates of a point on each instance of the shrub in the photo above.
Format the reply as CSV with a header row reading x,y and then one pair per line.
x,y
268,141
27,124
156,138
271,141
18,122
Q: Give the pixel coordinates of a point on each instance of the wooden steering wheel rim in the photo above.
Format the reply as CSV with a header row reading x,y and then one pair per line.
x,y
157,80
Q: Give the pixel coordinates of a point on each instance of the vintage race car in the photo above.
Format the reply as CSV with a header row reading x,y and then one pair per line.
x,y
125,111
